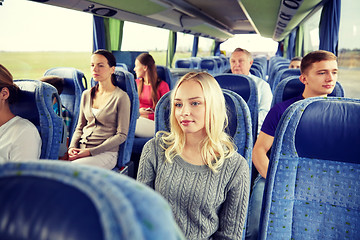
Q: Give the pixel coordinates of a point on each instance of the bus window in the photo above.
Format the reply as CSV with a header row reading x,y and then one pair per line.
x,y
184,45
137,37
205,46
349,48
311,30
29,45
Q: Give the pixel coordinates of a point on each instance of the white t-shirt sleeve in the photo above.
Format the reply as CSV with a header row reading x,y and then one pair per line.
x,y
24,142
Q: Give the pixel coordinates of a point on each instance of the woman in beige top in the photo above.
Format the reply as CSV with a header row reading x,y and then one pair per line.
x,y
104,117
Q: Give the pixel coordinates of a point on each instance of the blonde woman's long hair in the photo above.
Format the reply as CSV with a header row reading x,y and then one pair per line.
x,y
217,145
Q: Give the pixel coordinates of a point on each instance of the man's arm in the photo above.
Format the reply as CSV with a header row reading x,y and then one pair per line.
x,y
259,157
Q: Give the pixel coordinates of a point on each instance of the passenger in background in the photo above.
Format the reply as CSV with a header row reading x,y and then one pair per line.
x,y
319,75
240,62
295,62
196,166
104,117
150,90
19,138
58,83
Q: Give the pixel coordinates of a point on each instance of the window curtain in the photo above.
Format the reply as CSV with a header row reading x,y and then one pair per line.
x,y
329,26
299,42
291,45
114,33
107,33
195,46
171,48
280,49
99,40
216,48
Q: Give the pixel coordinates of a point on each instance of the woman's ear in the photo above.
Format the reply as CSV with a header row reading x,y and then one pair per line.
x,y
4,93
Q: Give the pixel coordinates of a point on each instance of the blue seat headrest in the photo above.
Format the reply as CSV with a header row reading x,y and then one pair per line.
x,y
25,106
208,64
232,118
329,130
34,205
235,83
294,87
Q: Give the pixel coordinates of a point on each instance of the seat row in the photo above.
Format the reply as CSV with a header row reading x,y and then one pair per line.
x,y
213,65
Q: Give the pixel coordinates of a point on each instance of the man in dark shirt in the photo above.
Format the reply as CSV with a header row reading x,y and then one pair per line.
x,y
319,75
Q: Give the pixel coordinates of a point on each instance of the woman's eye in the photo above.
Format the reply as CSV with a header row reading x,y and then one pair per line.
x,y
178,104
195,103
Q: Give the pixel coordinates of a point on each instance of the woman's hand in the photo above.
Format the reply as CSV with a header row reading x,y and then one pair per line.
x,y
144,112
76,153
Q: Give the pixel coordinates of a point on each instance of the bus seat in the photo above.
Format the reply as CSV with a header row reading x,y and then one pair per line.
x,y
164,73
276,68
209,65
35,103
125,81
246,88
220,64
312,185
256,72
226,63
260,68
57,200
292,87
262,61
282,74
74,84
239,127
195,62
183,63
122,65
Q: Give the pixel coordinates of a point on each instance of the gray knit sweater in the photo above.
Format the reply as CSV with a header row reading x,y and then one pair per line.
x,y
206,205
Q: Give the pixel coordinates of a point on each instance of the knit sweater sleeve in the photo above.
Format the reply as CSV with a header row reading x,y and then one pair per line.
x,y
147,165
123,119
233,213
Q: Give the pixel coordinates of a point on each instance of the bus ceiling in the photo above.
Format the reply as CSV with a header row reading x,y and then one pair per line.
x,y
214,19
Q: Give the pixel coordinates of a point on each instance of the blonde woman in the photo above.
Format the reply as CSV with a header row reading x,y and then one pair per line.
x,y
196,166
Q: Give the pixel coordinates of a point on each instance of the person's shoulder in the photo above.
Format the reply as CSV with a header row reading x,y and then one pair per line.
x,y
24,125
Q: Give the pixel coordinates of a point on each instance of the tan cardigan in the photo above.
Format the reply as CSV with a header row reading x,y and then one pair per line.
x,y
108,129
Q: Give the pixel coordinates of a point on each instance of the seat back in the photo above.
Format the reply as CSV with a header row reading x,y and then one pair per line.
x,y
183,63
122,65
312,184
57,200
239,127
74,84
283,74
246,88
195,62
35,103
164,73
125,81
210,65
293,87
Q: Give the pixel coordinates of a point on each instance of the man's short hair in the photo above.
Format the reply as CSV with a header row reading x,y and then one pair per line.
x,y
296,59
315,56
244,51
56,81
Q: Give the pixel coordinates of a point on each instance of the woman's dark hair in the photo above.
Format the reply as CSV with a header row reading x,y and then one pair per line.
x,y
147,60
112,63
6,80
